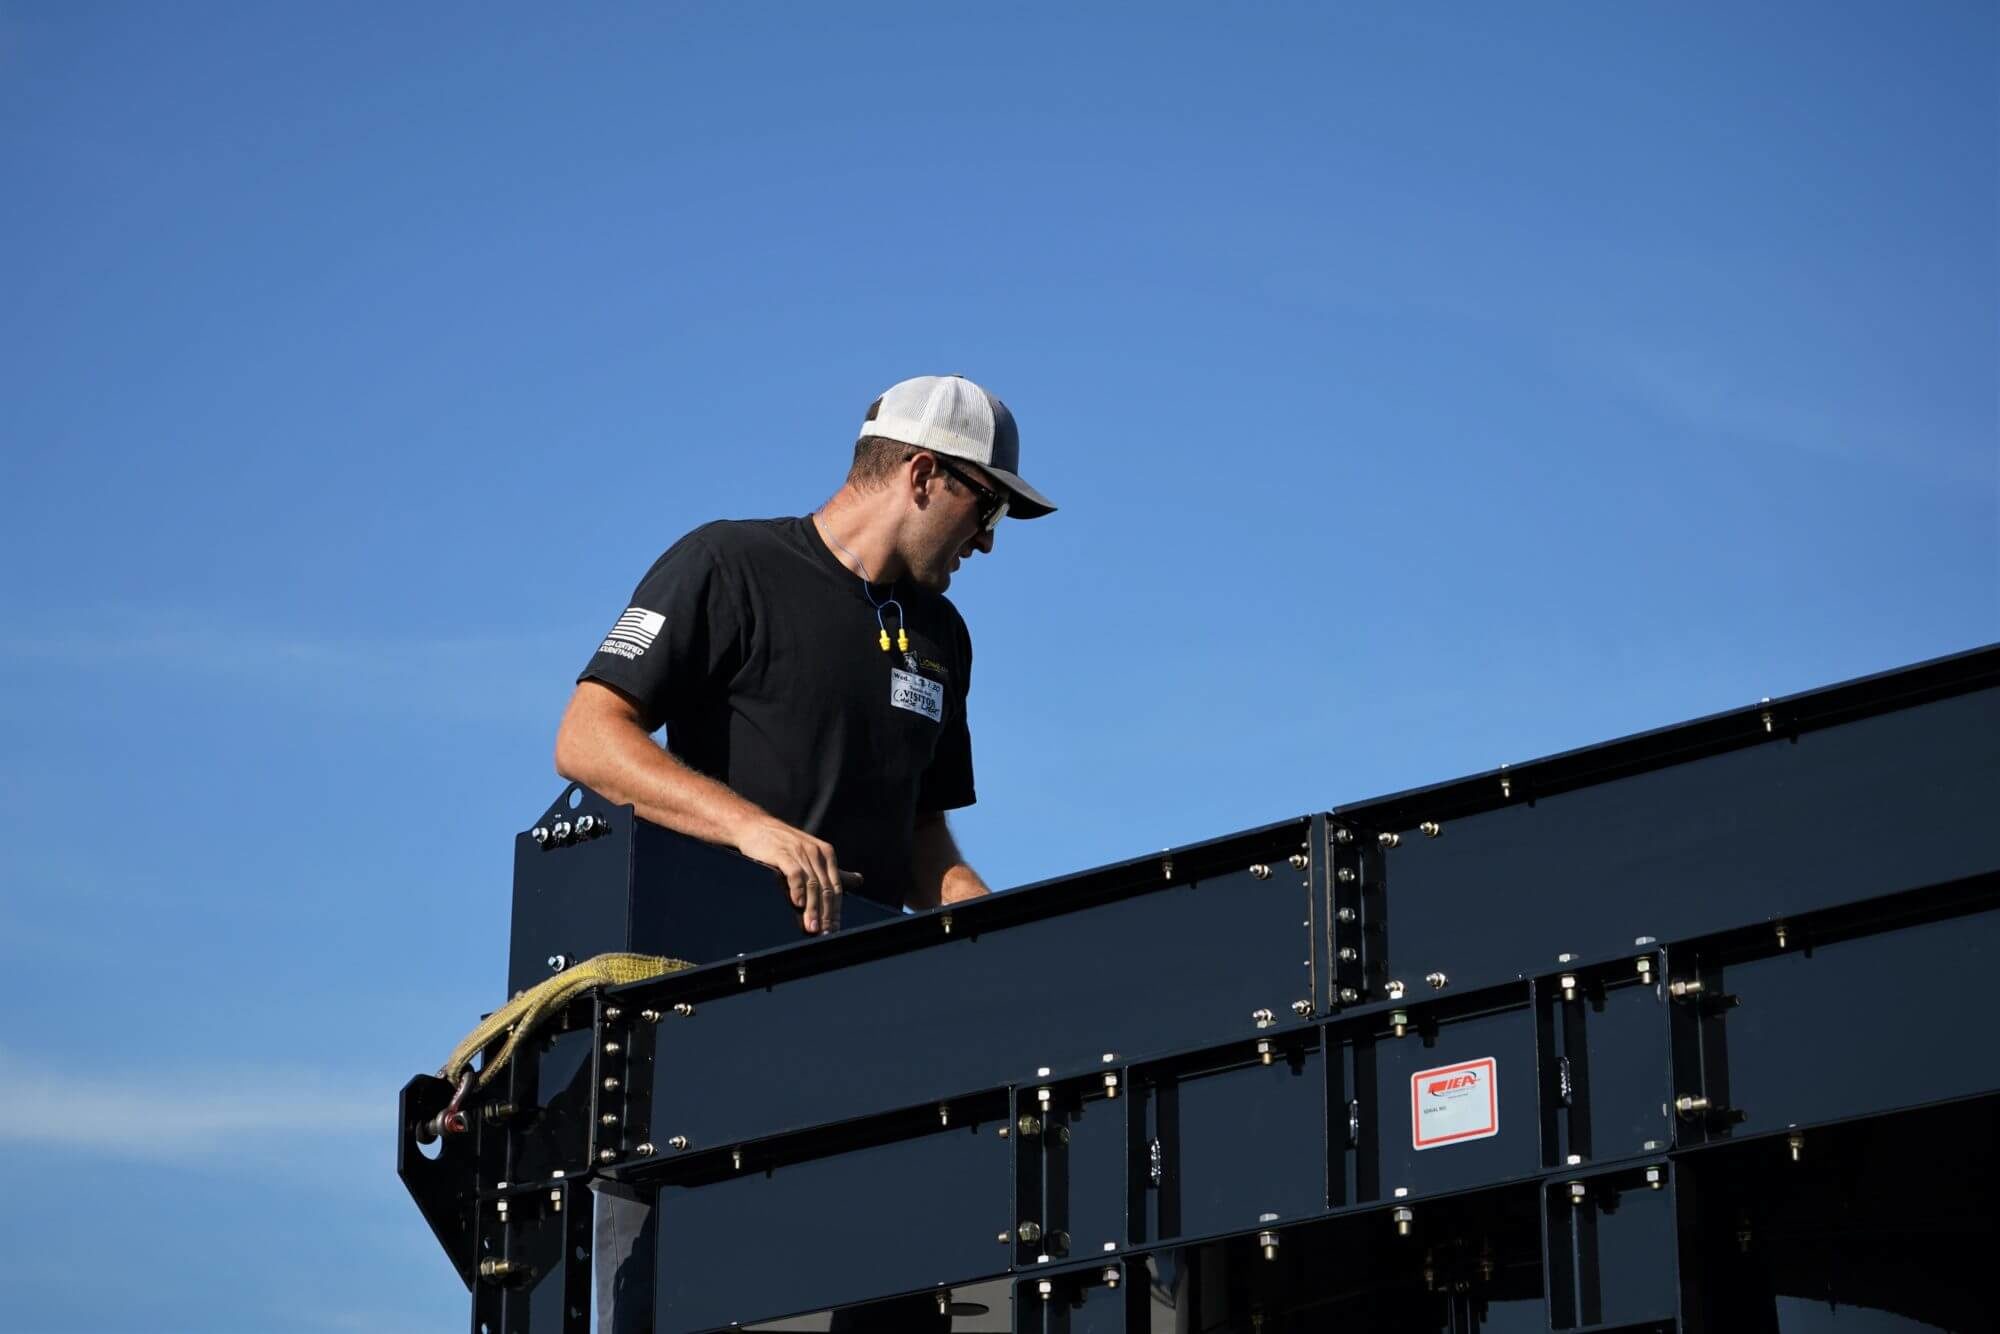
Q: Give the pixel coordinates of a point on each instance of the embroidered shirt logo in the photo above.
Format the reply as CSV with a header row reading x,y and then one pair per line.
x,y
633,634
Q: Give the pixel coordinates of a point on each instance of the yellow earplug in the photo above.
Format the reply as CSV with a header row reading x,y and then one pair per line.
x,y
885,641
902,640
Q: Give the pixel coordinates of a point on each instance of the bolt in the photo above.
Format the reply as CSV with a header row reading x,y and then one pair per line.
x,y
1578,1192
612,1049
683,1009
1344,875
1644,963
742,973
555,1201
1681,990
736,1159
495,1270
586,826
1166,868
1302,1008
944,1303
1260,871
558,962
1404,1216
1108,1057
560,832
1797,1144
1044,1095
1431,828
608,1119
1344,915
645,1150
1388,840
1486,1266
1110,1085
678,1143
1029,1231
540,835
1269,1241
1005,1238
1438,981
1343,835
611,1084
1656,1178
1568,984
1046,1287
607,1155
612,1014
1061,1135
1395,989
1299,861
1399,1022
1005,1131
1110,1275
945,922
1348,954
1690,1104
1264,1051
1573,1160
496,1112
650,1016
1348,995
1506,784
1765,716
1264,1018
1781,935
1030,1125
944,1113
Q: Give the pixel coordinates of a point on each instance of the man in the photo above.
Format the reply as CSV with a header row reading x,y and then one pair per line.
x,y
812,679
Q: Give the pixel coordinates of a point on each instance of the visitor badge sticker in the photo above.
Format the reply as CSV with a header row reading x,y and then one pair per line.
x,y
1454,1103
918,694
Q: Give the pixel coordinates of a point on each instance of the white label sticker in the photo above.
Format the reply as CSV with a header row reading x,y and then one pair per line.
x,y
918,694
1454,1103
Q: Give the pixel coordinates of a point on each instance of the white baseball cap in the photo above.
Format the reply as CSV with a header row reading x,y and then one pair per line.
x,y
949,414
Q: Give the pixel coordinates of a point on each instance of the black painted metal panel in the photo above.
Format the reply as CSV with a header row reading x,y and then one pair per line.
x,y
1185,965
1615,1080
1238,1146
1612,1250
631,885
1497,1051
1871,807
1859,1026
898,1217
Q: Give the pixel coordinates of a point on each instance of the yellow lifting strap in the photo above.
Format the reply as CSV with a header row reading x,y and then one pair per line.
x,y
531,1008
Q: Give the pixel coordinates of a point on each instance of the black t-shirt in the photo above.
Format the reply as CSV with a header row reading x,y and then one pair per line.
x,y
759,652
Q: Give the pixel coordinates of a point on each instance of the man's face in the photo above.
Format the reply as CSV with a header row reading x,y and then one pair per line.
x,y
953,525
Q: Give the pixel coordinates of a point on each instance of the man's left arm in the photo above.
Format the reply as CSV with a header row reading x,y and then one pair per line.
x,y
937,868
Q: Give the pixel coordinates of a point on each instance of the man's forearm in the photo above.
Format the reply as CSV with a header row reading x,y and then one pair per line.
x,y
938,869
621,762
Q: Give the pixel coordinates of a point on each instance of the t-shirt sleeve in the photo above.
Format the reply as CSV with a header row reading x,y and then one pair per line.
x,y
681,639
947,784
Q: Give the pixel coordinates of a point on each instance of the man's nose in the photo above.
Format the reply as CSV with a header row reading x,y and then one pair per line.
x,y
983,540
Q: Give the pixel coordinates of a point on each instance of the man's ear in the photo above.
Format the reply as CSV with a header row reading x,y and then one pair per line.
x,y
921,469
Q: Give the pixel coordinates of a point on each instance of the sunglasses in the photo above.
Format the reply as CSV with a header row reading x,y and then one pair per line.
x,y
992,504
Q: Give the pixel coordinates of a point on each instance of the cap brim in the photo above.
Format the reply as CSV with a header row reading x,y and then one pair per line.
x,y
1024,501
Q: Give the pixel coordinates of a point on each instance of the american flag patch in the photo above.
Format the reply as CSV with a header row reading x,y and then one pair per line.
x,y
633,634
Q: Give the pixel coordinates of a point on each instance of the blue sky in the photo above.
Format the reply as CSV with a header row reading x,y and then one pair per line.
x,y
1423,389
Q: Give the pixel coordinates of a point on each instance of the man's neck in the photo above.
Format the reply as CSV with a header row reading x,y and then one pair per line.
x,y
863,541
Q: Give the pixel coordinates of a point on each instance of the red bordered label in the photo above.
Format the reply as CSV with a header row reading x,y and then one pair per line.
x,y
1455,1103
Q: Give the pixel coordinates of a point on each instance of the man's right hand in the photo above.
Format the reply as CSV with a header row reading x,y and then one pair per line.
x,y
807,865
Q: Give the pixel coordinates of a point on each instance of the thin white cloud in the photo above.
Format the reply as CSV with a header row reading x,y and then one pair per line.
x,y
181,1115
464,676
